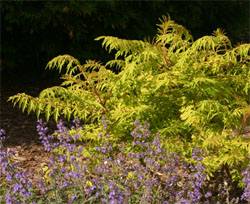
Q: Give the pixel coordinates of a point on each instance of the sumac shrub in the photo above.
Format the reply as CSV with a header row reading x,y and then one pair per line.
x,y
194,93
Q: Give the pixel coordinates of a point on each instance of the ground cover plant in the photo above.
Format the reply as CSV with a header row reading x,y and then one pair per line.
x,y
194,94
147,174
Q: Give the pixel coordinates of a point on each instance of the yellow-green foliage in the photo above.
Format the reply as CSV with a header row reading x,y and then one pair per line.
x,y
192,93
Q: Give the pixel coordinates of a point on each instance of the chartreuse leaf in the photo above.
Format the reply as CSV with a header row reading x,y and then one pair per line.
x,y
31,106
56,114
48,112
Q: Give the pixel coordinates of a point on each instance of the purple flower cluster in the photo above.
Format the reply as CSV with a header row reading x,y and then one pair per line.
x,y
42,131
246,181
65,171
164,175
19,188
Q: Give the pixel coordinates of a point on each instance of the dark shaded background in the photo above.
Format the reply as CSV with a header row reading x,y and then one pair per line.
x,y
32,33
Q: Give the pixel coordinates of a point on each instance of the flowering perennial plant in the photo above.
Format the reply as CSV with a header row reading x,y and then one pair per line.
x,y
144,173
246,181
